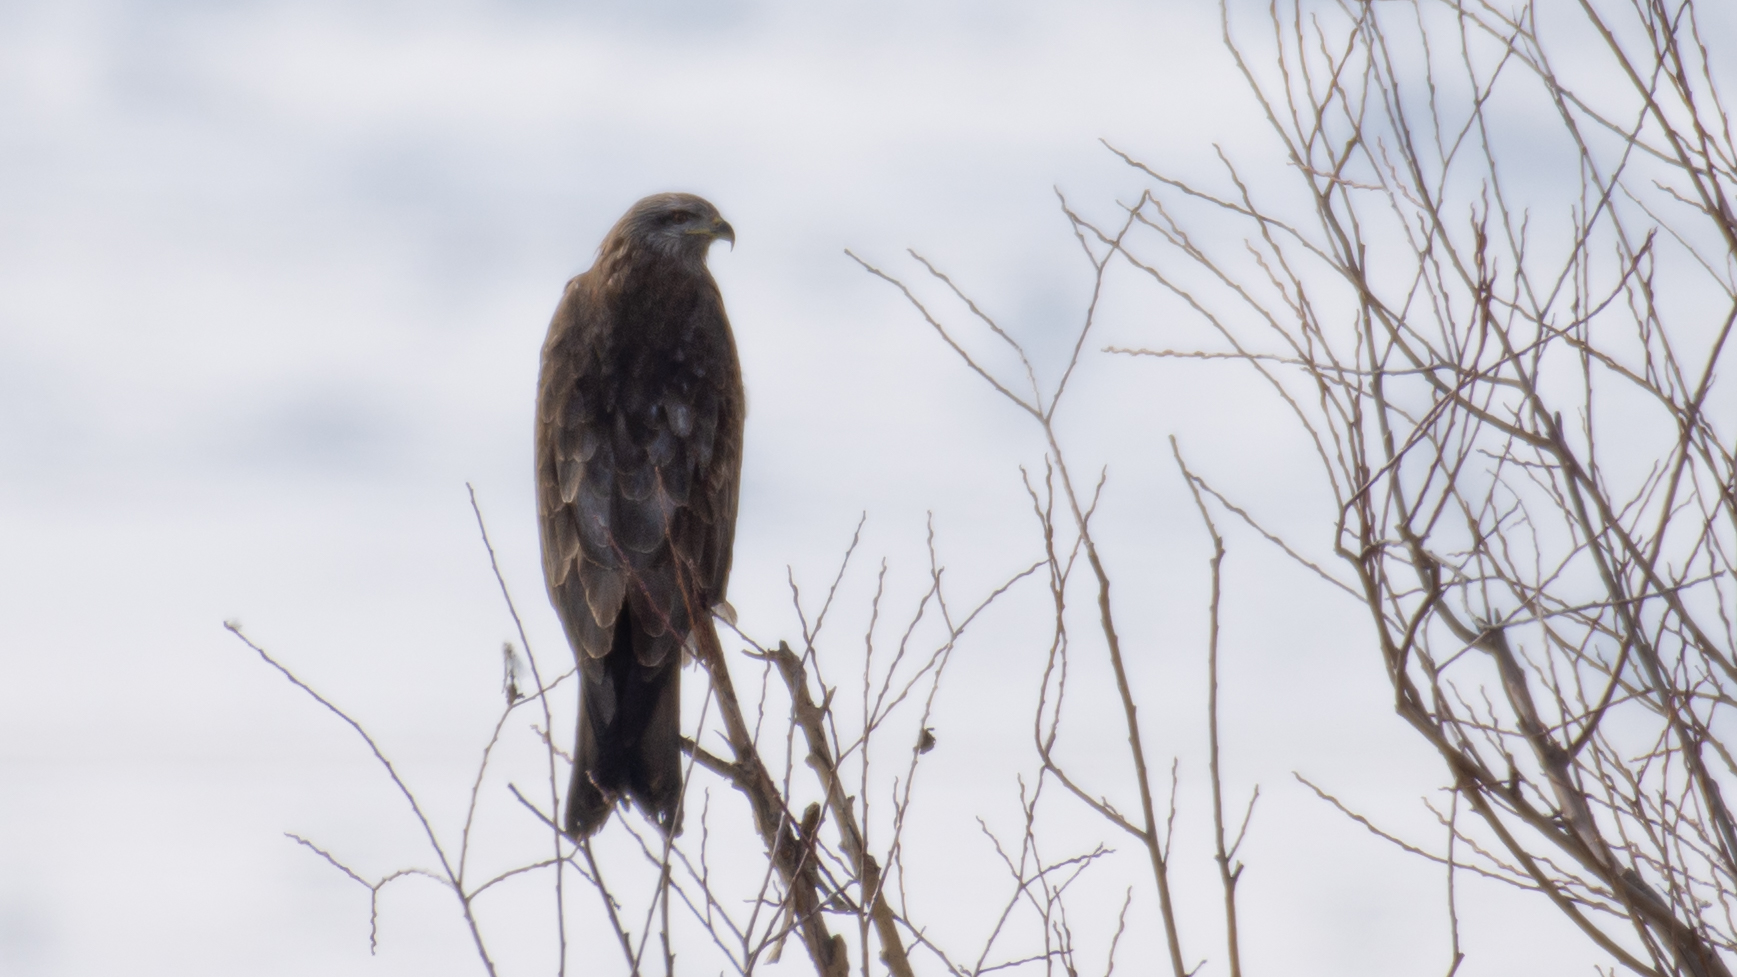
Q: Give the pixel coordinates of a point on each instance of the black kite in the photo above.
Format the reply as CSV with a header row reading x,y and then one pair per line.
x,y
639,453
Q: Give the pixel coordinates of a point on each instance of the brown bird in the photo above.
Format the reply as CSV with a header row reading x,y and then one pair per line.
x,y
639,454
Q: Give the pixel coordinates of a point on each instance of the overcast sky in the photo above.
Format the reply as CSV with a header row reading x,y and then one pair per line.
x,y
273,278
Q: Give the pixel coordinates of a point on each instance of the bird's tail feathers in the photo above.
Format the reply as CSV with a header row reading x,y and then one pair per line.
x,y
629,741
587,804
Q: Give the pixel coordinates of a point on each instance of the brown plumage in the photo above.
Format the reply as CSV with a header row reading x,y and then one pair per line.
x,y
639,452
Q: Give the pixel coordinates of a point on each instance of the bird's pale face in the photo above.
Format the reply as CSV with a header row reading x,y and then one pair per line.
x,y
677,224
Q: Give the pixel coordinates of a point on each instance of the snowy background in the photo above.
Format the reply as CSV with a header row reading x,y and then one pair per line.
x,y
273,279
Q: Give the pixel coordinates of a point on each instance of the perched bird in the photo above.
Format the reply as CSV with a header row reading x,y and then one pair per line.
x,y
639,454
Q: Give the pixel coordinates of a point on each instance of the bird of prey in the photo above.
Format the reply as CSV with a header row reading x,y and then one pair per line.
x,y
639,454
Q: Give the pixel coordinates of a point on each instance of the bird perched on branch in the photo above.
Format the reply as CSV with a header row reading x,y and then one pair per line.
x,y
639,453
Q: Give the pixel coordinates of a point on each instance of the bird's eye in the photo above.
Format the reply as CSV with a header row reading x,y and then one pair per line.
x,y
678,217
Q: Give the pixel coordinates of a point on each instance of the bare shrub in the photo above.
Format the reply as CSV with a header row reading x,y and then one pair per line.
x,y
1494,291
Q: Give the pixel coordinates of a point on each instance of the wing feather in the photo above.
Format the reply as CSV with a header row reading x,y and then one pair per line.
x,y
603,589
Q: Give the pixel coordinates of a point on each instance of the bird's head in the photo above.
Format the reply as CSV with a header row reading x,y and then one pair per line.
x,y
676,225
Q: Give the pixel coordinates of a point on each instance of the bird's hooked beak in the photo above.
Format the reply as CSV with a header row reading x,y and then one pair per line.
x,y
718,230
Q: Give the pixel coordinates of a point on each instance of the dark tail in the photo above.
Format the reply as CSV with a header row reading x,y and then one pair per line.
x,y
629,738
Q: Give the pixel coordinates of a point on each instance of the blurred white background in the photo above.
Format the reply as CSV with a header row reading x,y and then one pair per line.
x,y
273,279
